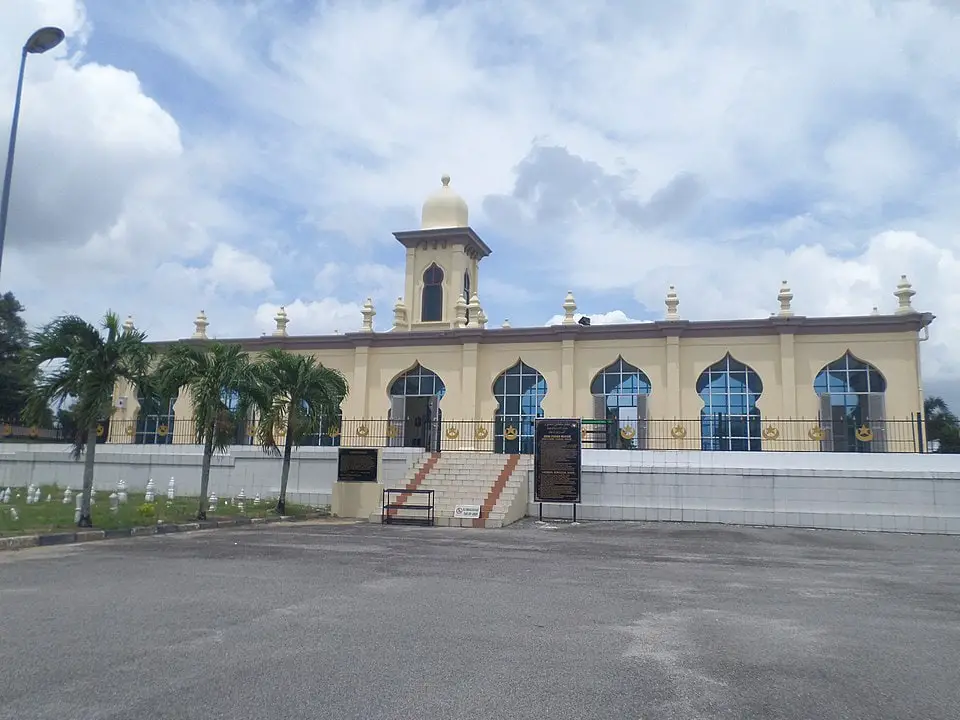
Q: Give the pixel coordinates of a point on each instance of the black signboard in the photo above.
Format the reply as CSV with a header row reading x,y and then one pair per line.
x,y
557,461
357,465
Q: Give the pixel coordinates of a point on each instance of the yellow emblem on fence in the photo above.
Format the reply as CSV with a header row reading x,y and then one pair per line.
x,y
452,433
162,430
100,430
7,430
678,432
129,430
510,433
770,433
864,433
393,431
34,432
481,433
584,433
628,433
363,431
333,432
817,433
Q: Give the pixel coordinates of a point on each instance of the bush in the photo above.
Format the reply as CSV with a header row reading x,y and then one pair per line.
x,y
147,510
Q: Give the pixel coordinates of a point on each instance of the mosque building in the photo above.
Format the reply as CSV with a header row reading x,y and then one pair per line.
x,y
441,377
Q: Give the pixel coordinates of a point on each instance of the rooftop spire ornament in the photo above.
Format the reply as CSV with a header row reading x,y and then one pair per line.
x,y
200,326
368,312
673,303
569,308
904,293
785,296
128,325
281,320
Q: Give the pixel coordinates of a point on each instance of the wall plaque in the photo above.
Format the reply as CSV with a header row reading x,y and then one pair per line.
x,y
357,465
557,461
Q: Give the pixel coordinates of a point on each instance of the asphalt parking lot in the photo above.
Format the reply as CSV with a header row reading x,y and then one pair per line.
x,y
601,620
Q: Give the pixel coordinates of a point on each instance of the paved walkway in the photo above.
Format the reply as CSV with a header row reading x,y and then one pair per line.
x,y
593,621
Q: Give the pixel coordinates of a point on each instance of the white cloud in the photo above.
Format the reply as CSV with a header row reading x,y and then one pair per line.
x,y
614,317
321,317
610,149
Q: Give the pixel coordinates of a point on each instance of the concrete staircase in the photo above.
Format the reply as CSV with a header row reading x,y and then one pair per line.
x,y
497,483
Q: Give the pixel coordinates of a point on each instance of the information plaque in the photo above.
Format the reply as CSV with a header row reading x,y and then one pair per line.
x,y
557,461
357,465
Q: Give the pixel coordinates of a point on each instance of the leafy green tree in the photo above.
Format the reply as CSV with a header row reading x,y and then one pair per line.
x,y
297,392
16,378
73,359
211,373
942,424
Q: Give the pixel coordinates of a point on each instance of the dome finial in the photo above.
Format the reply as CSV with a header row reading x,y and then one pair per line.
x,y
445,179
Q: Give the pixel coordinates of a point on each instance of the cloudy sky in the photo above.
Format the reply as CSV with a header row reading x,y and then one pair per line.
x,y
237,155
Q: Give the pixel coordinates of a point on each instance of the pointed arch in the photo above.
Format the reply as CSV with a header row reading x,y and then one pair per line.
x,y
851,392
620,393
730,418
414,417
519,391
154,420
431,296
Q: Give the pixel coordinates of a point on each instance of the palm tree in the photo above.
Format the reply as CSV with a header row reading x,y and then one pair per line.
x,y
297,392
88,366
212,374
942,424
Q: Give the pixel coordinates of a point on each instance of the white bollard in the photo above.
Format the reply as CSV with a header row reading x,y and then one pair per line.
x,y
67,496
171,489
4,495
122,491
256,499
49,497
14,515
29,494
240,498
114,502
151,491
213,502
37,495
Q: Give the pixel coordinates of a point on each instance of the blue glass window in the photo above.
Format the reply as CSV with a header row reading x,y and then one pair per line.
x,y
851,394
730,418
519,392
154,421
619,392
431,309
418,381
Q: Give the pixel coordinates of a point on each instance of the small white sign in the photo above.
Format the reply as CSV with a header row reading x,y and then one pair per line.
x,y
466,511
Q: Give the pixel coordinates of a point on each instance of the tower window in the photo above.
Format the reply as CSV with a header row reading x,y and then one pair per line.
x,y
466,291
431,309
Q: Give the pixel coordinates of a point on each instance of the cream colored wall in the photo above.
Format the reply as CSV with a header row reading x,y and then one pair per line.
x,y
454,262
569,369
787,366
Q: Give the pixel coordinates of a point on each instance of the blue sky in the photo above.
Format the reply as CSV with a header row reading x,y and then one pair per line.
x,y
234,156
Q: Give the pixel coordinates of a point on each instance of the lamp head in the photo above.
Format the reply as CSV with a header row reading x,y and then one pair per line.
x,y
46,38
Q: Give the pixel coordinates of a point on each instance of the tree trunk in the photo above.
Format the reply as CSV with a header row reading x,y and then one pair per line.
x,y
285,469
205,473
90,450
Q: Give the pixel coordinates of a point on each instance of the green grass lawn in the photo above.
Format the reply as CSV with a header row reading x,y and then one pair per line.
x,y
54,516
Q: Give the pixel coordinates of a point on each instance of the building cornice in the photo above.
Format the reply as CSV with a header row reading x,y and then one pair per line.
x,y
772,326
413,239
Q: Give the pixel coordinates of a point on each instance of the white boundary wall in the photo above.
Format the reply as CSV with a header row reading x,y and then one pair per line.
x,y
848,491
313,470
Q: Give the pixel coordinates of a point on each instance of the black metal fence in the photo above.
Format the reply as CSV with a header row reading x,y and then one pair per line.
x,y
503,435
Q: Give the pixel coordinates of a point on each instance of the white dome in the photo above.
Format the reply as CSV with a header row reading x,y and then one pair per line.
x,y
444,209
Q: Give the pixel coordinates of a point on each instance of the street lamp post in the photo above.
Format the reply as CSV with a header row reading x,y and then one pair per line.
x,y
44,39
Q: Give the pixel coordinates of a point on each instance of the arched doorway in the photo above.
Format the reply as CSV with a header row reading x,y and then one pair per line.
x,y
851,394
620,393
155,421
730,418
519,391
415,409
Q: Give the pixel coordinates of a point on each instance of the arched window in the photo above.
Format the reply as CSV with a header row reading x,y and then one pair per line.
x,y
415,409
730,419
851,394
466,290
620,397
431,306
155,421
519,392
